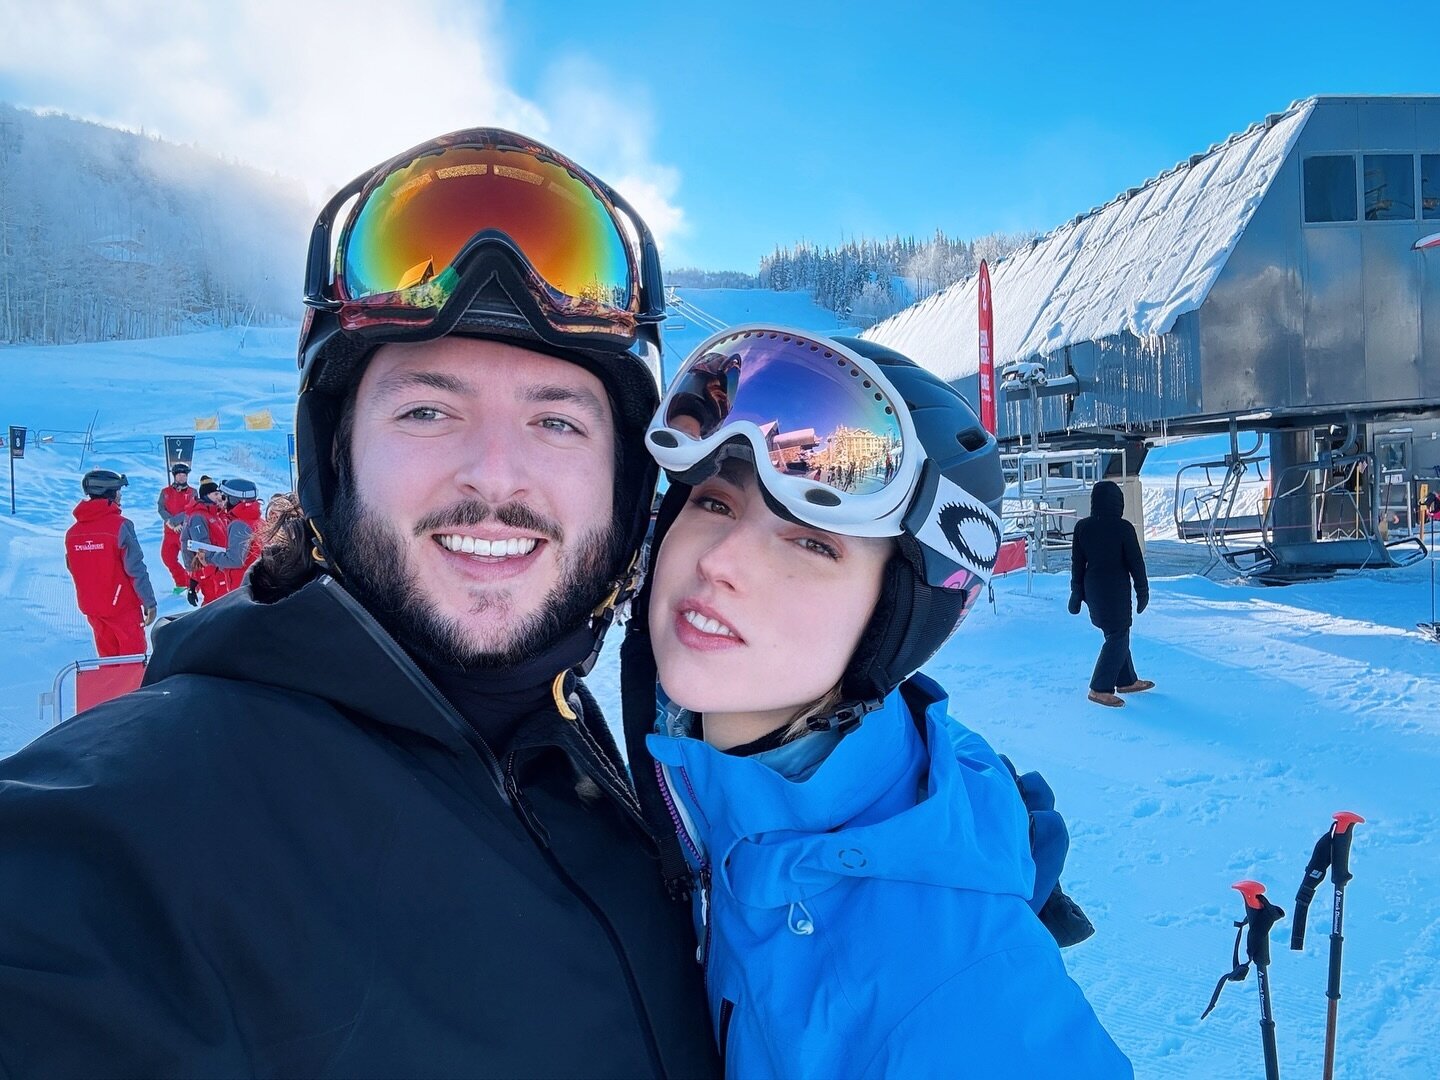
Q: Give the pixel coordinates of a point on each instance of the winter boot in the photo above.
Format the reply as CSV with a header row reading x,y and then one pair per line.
x,y
1136,687
1102,698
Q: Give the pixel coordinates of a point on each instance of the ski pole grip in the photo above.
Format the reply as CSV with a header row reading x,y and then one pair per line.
x,y
1260,915
1252,891
1340,854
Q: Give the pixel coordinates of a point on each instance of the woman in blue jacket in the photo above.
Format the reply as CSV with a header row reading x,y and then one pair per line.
x,y
860,860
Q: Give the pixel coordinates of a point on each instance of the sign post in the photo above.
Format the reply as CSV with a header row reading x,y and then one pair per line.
x,y
290,440
17,450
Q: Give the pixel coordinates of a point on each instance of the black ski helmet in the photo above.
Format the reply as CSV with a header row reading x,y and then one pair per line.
x,y
912,619
103,484
238,490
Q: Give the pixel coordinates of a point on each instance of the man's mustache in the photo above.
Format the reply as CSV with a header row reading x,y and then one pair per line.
x,y
514,515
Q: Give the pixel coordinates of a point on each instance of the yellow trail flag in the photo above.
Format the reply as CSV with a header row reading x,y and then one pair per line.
x,y
207,423
259,421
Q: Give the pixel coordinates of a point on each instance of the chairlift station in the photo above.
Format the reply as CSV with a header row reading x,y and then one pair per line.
x,y
1283,283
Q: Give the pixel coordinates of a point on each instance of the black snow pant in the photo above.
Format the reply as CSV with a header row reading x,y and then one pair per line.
x,y
1114,666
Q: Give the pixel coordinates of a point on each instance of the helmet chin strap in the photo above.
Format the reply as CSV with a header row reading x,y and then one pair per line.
x,y
844,718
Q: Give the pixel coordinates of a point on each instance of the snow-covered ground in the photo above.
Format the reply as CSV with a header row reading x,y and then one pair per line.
x,y
1275,708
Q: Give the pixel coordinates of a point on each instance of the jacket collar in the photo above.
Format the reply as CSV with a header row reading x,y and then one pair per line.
x,y
95,509
926,802
317,641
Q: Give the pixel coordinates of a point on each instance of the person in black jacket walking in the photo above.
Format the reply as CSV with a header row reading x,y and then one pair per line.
x,y
363,818
1104,560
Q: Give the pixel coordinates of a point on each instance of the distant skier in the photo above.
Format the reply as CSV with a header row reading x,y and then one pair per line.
x,y
176,501
103,555
1105,559
241,506
207,524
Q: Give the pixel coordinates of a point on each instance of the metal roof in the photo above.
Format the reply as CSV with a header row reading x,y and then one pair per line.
x,y
1137,263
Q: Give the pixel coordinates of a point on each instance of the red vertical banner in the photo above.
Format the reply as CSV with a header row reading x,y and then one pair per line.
x,y
987,352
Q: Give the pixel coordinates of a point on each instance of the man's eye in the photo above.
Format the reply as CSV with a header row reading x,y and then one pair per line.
x,y
554,423
422,412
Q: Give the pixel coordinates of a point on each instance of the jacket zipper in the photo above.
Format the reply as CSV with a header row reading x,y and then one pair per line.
x,y
532,826
509,790
702,862
391,649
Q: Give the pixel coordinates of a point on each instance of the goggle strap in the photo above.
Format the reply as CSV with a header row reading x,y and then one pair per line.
x,y
949,520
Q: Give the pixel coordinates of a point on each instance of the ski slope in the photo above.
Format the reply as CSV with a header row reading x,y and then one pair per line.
x,y
1275,707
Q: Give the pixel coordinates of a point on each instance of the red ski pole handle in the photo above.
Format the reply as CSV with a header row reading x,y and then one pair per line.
x,y
1344,819
1252,891
1343,832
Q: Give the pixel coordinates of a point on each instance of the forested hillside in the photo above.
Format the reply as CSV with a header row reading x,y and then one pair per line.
x,y
868,280
107,234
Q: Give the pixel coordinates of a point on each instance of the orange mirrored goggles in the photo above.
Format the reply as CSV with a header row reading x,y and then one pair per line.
x,y
427,223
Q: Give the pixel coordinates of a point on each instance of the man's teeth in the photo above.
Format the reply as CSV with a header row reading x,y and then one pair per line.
x,y
708,626
470,545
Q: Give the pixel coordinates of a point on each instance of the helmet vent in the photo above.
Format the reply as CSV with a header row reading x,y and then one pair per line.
x,y
971,440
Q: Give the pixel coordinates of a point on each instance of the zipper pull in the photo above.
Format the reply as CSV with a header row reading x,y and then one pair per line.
x,y
701,949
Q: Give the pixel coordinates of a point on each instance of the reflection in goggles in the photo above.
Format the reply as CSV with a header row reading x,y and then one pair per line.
x,y
406,233
821,418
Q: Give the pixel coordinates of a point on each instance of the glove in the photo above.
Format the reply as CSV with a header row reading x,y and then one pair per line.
x,y
1074,603
192,594
1141,603
147,616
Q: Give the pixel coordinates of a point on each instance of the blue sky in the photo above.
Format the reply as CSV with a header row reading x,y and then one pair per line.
x,y
733,127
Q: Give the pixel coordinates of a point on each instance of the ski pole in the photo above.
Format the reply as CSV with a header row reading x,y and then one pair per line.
x,y
1260,916
1332,852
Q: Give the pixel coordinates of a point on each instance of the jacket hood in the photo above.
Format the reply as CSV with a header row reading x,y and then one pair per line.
x,y
248,511
319,641
1107,500
94,509
775,842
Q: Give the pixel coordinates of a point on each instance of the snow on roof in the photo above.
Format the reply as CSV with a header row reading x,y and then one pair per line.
x,y
1137,263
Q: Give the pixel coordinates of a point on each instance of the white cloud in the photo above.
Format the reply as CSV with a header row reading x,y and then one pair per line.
x,y
322,91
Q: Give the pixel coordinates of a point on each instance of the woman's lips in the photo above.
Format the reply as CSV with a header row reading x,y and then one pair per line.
x,y
699,627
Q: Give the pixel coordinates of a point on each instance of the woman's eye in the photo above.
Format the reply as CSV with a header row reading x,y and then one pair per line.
x,y
554,423
819,547
422,412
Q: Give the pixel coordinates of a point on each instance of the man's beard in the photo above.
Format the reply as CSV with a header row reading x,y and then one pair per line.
x,y
371,556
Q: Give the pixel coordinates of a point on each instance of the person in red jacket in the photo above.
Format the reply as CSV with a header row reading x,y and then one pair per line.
x,y
176,501
206,535
240,502
103,555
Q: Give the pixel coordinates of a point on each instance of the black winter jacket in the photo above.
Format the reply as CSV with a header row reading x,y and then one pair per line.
x,y
288,854
1105,559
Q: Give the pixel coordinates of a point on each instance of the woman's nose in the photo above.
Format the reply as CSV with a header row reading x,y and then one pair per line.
x,y
726,561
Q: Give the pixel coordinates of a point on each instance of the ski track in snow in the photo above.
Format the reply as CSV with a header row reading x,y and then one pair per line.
x,y
1274,708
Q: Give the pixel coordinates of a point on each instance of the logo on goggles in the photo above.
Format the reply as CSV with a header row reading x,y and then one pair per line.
x,y
982,545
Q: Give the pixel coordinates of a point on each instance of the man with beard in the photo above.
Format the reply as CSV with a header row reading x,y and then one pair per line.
x,y
363,818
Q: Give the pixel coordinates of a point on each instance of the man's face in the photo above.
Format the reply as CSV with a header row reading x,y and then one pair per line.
x,y
477,520
182,479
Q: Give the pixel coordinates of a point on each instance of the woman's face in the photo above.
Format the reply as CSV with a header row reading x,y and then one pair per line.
x,y
752,614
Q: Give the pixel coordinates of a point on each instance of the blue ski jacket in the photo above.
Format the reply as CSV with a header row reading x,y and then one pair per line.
x,y
871,919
